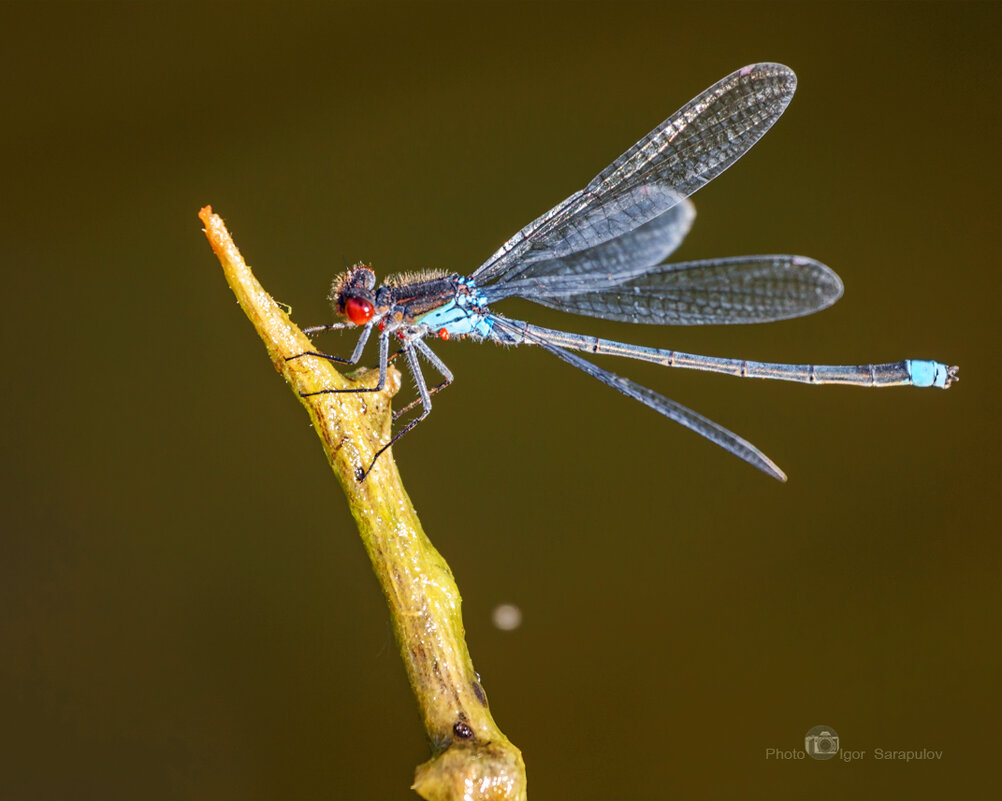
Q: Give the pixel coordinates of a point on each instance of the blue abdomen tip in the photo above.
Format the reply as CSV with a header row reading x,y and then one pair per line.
x,y
928,374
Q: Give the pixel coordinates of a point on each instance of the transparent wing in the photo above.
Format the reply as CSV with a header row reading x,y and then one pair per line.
x,y
609,263
745,289
703,426
689,149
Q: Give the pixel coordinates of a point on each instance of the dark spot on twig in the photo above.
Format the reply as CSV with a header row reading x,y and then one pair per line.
x,y
479,692
462,731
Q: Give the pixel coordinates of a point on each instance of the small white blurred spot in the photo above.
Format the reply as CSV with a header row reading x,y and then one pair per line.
x,y
507,617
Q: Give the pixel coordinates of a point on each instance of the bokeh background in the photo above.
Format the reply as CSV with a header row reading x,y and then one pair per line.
x,y
171,630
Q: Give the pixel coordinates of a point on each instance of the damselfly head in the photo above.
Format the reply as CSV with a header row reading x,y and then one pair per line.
x,y
352,294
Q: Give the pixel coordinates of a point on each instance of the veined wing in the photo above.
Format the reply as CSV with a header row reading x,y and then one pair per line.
x,y
689,149
744,289
606,264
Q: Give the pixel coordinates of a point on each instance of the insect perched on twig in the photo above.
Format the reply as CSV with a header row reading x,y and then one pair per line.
x,y
600,253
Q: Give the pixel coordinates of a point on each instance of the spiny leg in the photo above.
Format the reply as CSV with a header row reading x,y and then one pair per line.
x,y
425,398
355,354
360,345
439,365
316,329
384,350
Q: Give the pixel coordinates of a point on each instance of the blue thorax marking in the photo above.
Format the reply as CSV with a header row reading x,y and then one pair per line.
x,y
927,374
461,316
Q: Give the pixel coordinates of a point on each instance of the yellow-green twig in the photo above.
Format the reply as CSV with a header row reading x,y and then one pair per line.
x,y
472,759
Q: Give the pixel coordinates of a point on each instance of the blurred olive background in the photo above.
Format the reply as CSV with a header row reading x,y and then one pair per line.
x,y
171,629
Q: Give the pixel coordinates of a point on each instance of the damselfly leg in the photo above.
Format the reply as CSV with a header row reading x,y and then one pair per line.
x,y
384,350
439,365
410,349
425,398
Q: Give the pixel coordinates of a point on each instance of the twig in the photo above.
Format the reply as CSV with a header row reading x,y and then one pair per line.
x,y
472,759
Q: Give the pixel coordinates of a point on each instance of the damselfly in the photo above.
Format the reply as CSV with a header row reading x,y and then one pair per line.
x,y
600,253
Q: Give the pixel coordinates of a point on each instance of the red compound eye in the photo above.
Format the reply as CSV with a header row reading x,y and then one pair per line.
x,y
358,311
